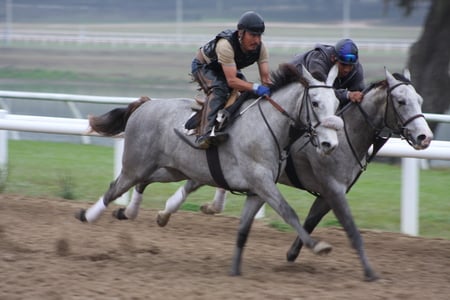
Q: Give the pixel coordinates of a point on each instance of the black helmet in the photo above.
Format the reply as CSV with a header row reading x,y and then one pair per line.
x,y
251,22
346,52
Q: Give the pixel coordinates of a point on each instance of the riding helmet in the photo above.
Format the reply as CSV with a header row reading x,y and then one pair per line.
x,y
252,22
346,52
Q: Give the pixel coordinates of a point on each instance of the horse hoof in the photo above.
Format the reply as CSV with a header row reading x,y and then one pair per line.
x,y
119,214
162,219
81,215
235,273
291,256
371,277
207,209
322,248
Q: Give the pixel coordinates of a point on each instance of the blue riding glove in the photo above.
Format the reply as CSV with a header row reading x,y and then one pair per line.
x,y
261,90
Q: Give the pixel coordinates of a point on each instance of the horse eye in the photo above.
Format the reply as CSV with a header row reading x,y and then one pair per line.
x,y
315,104
401,102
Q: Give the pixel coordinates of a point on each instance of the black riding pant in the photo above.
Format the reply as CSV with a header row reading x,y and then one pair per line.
x,y
214,85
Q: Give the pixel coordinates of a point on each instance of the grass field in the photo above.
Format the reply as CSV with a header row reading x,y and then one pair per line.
x,y
85,171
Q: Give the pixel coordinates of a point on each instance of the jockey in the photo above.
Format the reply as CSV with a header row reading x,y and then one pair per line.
x,y
350,81
217,69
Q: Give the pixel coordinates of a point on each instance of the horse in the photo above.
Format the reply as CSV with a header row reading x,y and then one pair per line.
x,y
154,152
390,106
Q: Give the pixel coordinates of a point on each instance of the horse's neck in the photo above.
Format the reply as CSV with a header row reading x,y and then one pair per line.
x,y
290,100
361,127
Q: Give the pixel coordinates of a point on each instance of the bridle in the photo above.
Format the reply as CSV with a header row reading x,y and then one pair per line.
x,y
297,128
401,130
378,140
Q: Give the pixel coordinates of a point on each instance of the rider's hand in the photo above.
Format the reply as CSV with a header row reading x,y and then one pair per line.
x,y
261,90
355,96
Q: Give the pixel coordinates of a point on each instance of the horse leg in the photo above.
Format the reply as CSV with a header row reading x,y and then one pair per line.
x,y
276,200
131,211
218,203
175,201
116,189
318,210
342,212
249,211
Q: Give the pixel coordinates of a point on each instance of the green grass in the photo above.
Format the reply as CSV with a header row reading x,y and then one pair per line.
x,y
41,168
160,71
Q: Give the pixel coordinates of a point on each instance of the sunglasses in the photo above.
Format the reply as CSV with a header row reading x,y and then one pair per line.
x,y
348,58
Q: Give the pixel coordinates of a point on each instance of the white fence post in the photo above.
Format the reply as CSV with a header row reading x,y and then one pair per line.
x,y
261,212
410,196
3,146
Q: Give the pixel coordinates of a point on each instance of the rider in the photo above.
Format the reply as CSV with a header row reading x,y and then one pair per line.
x,y
349,83
216,68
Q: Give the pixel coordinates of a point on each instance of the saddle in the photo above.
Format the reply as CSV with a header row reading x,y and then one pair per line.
x,y
198,118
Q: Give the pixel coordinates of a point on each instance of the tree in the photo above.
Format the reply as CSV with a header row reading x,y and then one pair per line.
x,y
429,56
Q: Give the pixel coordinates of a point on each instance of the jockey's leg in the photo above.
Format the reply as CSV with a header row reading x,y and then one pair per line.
x,y
217,90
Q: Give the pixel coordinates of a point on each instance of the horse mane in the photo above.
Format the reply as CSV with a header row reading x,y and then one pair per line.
x,y
284,75
383,83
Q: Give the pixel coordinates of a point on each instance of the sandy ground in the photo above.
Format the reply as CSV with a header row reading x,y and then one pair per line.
x,y
45,253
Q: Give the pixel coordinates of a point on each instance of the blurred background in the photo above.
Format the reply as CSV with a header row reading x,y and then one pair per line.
x,y
134,48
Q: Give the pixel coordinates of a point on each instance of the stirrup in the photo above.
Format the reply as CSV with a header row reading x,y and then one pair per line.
x,y
212,139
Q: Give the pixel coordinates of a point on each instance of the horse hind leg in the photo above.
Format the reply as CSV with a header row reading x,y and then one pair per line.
x,y
217,205
175,201
130,212
117,188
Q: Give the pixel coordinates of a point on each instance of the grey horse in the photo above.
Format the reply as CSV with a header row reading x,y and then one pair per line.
x,y
389,106
154,152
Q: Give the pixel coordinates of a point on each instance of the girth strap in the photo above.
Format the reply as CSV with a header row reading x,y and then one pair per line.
x,y
292,174
212,156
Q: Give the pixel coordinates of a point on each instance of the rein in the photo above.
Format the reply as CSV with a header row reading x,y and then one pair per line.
x,y
297,129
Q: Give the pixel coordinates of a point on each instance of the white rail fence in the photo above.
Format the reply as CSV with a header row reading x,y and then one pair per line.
x,y
439,150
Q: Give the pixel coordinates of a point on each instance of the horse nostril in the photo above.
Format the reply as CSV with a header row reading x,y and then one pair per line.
x,y
421,137
325,145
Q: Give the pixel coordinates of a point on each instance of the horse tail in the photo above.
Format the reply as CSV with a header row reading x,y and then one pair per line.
x,y
114,121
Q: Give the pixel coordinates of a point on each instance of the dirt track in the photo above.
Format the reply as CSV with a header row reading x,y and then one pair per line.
x,y
45,253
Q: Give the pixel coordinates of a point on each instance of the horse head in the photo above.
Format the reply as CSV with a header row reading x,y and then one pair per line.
x,y
404,111
322,105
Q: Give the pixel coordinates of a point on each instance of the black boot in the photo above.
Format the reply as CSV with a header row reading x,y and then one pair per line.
x,y
211,138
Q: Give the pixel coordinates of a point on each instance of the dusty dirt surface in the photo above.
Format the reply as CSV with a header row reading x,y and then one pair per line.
x,y
45,253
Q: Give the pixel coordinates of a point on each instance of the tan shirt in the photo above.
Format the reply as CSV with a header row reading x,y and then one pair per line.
x,y
225,53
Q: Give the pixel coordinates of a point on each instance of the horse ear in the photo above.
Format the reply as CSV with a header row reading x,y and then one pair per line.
x,y
332,75
311,80
390,79
407,74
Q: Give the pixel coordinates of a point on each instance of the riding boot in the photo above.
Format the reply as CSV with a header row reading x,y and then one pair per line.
x,y
209,134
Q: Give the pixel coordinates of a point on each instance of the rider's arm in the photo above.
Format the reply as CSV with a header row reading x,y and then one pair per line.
x,y
225,56
263,66
356,85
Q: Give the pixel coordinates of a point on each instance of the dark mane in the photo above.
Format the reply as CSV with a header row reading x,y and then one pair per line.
x,y
284,75
383,83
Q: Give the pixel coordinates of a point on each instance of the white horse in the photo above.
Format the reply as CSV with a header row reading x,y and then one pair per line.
x,y
391,105
154,152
